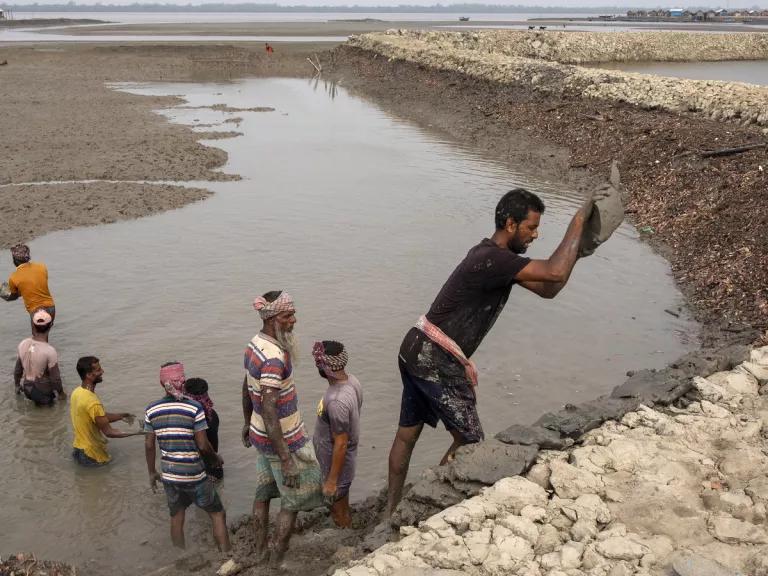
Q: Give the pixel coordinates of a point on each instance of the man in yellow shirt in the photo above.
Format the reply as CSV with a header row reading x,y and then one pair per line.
x,y
30,281
90,422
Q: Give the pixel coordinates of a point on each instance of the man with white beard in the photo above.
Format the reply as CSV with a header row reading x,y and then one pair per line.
x,y
286,466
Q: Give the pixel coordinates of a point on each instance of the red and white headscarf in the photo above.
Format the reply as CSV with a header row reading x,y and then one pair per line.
x,y
327,362
283,303
172,379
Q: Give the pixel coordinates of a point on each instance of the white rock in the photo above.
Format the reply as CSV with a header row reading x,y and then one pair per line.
x,y
759,371
591,507
229,568
615,529
708,389
539,474
736,381
733,531
519,526
759,356
478,543
757,489
513,547
584,530
550,560
385,564
514,493
570,554
714,410
621,548
621,569
571,482
736,503
591,559
534,513
449,553
549,540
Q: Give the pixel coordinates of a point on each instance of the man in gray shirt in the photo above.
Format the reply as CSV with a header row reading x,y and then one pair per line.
x,y
338,427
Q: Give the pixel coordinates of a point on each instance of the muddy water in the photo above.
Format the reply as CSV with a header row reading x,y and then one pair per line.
x,y
361,217
751,71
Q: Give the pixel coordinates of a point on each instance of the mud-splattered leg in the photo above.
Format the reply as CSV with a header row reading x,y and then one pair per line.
x,y
399,460
260,529
285,523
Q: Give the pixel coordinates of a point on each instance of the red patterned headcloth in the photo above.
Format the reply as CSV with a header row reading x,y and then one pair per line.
x,y
283,303
327,362
20,252
172,379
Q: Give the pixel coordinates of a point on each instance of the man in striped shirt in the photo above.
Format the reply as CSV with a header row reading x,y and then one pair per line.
x,y
179,426
286,466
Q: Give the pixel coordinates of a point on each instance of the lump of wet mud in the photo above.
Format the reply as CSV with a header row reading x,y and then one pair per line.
x,y
532,435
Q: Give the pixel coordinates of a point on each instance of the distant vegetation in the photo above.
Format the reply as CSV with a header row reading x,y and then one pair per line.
x,y
250,7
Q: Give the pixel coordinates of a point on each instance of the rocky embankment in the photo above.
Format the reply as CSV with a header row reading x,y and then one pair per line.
x,y
678,486
543,62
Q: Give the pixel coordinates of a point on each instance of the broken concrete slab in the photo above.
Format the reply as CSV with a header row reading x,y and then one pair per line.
x,y
576,420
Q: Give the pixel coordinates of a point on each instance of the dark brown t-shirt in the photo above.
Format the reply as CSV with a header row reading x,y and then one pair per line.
x,y
465,309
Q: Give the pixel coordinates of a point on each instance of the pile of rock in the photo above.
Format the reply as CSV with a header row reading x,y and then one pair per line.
x,y
593,47
482,55
679,490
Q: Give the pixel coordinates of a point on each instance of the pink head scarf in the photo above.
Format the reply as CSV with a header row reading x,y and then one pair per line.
x,y
327,362
172,379
283,303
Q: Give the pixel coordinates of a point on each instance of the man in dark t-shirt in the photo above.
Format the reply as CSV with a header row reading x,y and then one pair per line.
x,y
439,379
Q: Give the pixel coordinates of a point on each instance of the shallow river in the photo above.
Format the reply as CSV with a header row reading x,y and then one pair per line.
x,y
360,216
750,71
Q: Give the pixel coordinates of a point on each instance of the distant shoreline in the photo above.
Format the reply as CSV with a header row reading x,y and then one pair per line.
x,y
49,22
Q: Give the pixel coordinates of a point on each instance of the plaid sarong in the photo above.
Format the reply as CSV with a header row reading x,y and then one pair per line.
x,y
269,480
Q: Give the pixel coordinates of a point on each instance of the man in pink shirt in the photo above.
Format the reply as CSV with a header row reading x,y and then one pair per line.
x,y
37,365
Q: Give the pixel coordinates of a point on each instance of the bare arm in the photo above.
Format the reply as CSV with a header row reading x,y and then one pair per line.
x,y
272,424
338,456
18,372
150,454
103,423
247,411
117,416
547,277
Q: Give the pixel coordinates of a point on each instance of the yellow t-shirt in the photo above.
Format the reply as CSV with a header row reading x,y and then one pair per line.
x,y
84,407
31,281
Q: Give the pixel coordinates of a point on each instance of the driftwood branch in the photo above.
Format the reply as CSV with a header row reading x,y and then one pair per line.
x,y
734,150
318,67
722,151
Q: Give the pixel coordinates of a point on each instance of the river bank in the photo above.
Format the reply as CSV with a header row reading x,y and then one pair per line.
x,y
676,488
693,208
562,137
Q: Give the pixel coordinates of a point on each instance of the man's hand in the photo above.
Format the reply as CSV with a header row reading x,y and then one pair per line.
x,y
128,418
219,461
154,478
246,436
290,473
62,395
329,488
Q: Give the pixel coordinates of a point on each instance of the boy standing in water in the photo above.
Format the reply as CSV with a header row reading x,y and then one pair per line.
x,y
338,427
197,389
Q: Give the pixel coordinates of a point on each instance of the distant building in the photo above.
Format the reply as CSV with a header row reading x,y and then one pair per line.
x,y
2,15
676,12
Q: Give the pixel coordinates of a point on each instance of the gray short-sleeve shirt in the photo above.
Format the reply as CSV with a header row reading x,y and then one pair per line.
x,y
339,412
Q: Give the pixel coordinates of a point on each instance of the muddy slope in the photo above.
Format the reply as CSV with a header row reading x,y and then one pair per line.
x,y
696,209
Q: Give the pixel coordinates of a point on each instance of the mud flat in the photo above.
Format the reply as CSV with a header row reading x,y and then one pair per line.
x,y
678,488
62,122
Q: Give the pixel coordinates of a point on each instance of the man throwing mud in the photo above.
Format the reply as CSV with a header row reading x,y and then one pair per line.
x,y
30,282
439,379
286,466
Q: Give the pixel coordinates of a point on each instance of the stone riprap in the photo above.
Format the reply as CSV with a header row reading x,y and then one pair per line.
x,y
675,490
498,57
594,47
479,465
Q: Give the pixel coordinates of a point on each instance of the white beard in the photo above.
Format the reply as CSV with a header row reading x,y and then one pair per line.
x,y
290,344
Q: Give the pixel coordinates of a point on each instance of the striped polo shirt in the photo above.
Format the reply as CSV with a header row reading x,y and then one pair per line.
x,y
174,423
267,364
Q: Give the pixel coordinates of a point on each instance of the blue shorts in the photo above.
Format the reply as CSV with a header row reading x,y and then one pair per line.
x,y
202,494
425,402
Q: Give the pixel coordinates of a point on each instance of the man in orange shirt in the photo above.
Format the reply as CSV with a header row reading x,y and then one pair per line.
x,y
30,281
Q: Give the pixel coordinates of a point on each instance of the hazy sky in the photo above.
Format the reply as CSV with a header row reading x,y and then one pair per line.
x,y
560,3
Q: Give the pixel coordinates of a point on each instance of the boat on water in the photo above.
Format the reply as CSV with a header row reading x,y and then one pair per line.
x,y
463,18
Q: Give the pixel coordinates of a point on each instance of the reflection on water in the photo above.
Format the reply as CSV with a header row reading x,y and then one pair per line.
x,y
750,71
361,217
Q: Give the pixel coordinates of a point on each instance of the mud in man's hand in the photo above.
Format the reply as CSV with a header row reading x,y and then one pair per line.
x,y
607,213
